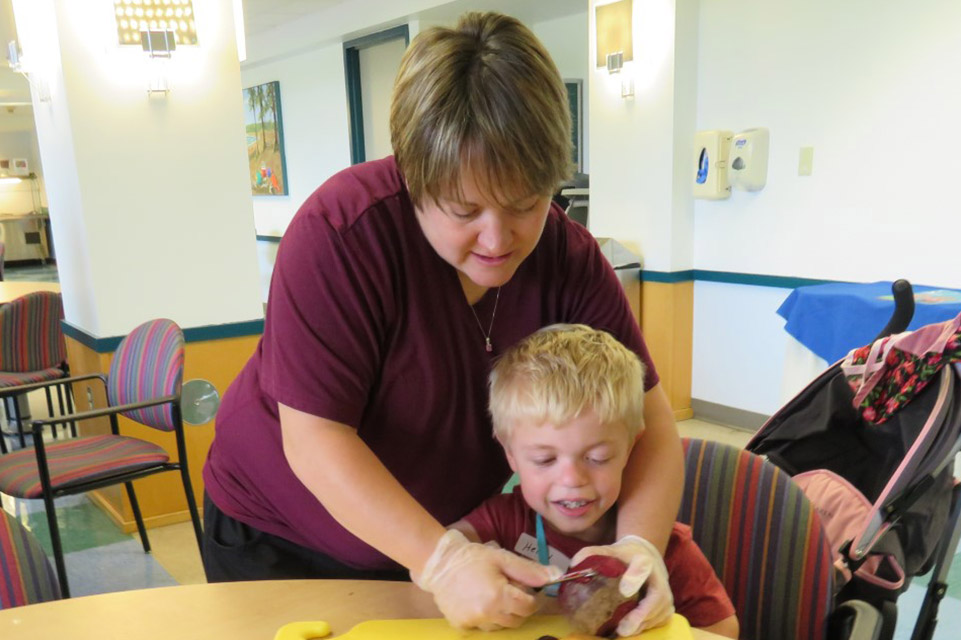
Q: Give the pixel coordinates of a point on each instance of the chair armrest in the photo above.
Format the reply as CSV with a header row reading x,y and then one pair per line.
x,y
33,386
855,620
38,425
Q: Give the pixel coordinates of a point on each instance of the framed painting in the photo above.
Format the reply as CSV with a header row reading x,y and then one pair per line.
x,y
265,140
575,101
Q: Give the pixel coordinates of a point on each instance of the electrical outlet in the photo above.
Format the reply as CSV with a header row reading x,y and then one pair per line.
x,y
805,165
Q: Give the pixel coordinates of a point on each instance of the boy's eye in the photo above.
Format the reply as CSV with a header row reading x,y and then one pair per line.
x,y
542,462
599,460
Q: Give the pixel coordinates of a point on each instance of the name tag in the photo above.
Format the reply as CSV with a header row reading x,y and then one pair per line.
x,y
527,547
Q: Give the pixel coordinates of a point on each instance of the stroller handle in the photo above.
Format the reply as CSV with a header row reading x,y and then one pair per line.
x,y
903,309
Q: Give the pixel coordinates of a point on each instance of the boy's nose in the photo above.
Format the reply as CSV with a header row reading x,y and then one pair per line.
x,y
572,475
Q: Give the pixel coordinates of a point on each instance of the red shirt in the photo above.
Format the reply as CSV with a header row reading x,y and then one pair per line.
x,y
699,595
367,326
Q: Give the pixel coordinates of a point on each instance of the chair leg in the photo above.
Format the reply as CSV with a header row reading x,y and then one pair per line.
x,y
68,391
53,427
57,546
139,518
19,419
192,506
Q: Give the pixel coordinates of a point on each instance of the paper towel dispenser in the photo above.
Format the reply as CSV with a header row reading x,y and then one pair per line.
x,y
710,164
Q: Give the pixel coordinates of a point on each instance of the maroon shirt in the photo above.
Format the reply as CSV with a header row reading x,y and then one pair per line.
x,y
699,595
366,325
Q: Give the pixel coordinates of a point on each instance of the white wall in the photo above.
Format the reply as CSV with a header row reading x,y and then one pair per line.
x,y
314,112
161,181
566,38
634,141
877,104
873,87
310,68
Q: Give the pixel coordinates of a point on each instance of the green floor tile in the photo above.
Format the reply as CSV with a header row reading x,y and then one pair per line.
x,y
83,526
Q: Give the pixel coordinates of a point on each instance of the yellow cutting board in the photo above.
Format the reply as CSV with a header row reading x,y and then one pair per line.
x,y
439,629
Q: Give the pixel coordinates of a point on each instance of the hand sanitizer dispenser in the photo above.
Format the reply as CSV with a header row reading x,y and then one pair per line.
x,y
710,165
747,166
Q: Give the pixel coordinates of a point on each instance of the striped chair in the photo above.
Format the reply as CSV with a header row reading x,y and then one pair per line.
x,y
143,385
26,576
32,350
763,538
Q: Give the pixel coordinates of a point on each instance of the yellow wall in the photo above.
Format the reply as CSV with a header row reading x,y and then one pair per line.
x,y
161,496
667,313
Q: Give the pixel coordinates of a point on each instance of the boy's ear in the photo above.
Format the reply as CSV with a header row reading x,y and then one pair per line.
x,y
510,456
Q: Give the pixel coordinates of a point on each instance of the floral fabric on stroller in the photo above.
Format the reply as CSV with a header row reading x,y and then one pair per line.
x,y
872,442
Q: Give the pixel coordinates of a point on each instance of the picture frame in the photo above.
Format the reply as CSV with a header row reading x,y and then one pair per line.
x,y
575,101
266,158
19,167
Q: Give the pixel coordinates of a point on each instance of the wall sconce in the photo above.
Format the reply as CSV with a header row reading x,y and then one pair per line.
x,y
16,61
133,17
615,46
158,46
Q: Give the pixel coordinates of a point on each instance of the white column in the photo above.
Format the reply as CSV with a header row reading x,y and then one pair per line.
x,y
149,203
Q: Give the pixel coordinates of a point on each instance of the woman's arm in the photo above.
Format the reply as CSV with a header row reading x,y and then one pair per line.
x,y
654,478
473,585
355,487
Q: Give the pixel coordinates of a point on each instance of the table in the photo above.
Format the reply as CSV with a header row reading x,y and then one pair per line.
x,y
12,289
223,611
831,319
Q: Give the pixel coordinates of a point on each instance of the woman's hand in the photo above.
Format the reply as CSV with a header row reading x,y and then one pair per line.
x,y
473,584
644,566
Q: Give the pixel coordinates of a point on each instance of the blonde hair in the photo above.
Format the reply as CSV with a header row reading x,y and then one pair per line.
x,y
483,97
560,371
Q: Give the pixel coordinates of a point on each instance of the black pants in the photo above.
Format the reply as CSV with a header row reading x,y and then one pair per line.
x,y
234,551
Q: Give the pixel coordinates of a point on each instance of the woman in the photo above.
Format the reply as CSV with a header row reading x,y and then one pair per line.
x,y
359,429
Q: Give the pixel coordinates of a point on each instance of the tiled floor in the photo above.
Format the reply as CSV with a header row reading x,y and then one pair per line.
x,y
32,272
100,558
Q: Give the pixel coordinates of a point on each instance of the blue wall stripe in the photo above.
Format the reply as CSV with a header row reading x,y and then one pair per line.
x,y
667,276
731,277
261,238
193,334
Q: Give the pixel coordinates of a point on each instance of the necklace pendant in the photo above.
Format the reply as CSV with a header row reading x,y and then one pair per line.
x,y
489,347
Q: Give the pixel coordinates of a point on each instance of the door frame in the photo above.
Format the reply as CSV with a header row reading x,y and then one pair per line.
x,y
355,105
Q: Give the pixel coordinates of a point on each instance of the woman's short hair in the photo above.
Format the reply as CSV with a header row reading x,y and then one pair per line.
x,y
484,96
561,371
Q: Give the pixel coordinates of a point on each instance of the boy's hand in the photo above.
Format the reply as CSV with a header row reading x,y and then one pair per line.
x,y
644,566
472,583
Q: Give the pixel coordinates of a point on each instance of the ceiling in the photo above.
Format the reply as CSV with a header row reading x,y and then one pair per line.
x,y
261,17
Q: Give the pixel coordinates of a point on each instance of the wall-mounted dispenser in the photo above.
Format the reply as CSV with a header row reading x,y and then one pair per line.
x,y
710,164
747,166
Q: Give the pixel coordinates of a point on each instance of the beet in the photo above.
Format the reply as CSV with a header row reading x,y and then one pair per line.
x,y
594,605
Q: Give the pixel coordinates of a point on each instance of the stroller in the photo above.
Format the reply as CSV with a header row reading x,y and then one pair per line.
x,y
872,442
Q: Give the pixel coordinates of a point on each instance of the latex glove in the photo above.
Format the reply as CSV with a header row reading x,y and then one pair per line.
x,y
644,566
477,586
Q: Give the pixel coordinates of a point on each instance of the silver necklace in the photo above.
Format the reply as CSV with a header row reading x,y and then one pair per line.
x,y
487,334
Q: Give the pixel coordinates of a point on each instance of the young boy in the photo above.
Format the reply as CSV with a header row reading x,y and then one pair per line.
x,y
567,406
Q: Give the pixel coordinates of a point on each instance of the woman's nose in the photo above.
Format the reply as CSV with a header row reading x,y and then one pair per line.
x,y
495,235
